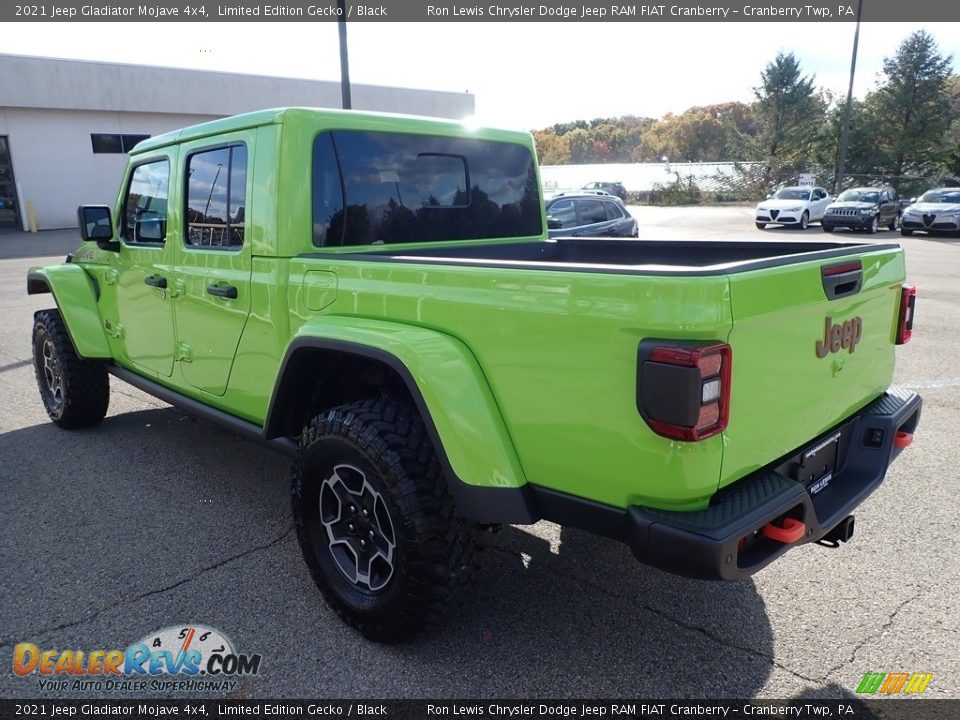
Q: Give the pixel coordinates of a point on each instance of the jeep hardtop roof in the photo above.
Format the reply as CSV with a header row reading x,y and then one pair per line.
x,y
323,118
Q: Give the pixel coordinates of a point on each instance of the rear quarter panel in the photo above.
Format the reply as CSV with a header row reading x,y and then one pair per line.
x,y
559,351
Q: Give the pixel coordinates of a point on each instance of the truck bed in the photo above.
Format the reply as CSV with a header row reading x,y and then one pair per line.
x,y
629,256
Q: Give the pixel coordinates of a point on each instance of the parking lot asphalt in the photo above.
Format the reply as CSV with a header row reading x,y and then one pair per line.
x,y
153,519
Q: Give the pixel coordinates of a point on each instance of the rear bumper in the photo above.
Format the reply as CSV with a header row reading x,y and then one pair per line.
x,y
707,543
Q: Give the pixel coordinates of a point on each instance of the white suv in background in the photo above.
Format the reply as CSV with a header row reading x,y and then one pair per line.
x,y
797,206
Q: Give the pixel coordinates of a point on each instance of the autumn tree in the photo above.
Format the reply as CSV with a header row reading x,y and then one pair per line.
x,y
552,149
701,134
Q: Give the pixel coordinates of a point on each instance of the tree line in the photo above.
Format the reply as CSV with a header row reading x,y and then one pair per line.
x,y
906,130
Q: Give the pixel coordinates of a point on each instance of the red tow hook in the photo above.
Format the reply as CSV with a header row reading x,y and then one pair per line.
x,y
791,531
902,439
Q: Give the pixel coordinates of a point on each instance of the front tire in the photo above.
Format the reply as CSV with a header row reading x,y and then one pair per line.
x,y
761,226
894,223
827,228
804,220
874,225
906,232
75,392
375,519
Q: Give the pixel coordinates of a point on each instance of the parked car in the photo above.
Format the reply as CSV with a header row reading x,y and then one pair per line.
x,y
589,215
614,188
795,206
936,211
864,208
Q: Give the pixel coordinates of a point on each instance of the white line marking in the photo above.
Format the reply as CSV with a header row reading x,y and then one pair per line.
x,y
943,382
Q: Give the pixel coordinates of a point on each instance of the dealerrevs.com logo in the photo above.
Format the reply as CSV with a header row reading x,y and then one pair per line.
x,y
183,657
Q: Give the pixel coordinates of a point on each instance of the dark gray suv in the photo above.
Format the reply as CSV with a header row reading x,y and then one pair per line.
x,y
589,215
614,188
863,208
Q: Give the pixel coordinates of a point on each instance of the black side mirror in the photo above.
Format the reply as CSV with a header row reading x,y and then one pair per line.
x,y
96,224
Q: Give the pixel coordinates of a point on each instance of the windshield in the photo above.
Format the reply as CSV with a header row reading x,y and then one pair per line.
x,y
792,194
951,195
866,196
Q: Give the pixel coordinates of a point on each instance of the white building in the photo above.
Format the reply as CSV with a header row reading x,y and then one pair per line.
x,y
641,178
64,124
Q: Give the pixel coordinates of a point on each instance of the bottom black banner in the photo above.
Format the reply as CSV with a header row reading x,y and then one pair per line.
x,y
852,709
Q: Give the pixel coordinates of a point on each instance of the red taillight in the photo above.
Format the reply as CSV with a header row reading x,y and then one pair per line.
x,y
684,392
908,299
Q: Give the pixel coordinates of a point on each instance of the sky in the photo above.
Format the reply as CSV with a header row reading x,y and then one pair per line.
x,y
523,75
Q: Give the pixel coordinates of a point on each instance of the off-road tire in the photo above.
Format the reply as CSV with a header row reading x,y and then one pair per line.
x,y
385,441
75,391
761,226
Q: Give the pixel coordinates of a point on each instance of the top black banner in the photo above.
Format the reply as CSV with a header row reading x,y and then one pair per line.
x,y
480,11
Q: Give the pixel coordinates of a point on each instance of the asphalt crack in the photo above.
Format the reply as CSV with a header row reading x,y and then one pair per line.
x,y
157,591
877,633
675,621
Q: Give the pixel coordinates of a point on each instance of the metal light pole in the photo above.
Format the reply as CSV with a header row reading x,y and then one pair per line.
x,y
845,130
344,65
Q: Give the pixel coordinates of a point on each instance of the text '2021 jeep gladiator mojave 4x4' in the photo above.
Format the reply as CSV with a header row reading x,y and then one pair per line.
x,y
377,297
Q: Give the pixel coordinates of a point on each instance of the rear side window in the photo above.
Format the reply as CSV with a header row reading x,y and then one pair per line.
x,y
399,187
592,211
216,198
613,211
145,207
328,215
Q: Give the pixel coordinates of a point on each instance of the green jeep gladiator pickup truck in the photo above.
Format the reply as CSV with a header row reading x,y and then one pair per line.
x,y
377,297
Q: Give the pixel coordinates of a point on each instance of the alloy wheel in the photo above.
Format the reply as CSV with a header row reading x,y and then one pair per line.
x,y
52,373
360,533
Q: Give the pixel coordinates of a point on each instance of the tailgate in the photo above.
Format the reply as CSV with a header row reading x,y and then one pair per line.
x,y
787,390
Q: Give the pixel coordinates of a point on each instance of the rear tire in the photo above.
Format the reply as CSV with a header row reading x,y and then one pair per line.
x,y
375,519
75,392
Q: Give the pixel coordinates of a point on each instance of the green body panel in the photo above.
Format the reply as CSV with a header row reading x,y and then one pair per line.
x,y
559,350
454,390
208,327
76,297
779,314
144,313
529,373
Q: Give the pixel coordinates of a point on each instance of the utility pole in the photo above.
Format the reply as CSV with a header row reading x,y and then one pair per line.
x,y
845,130
344,65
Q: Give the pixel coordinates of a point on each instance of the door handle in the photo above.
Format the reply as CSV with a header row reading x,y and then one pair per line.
x,y
157,281
226,291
